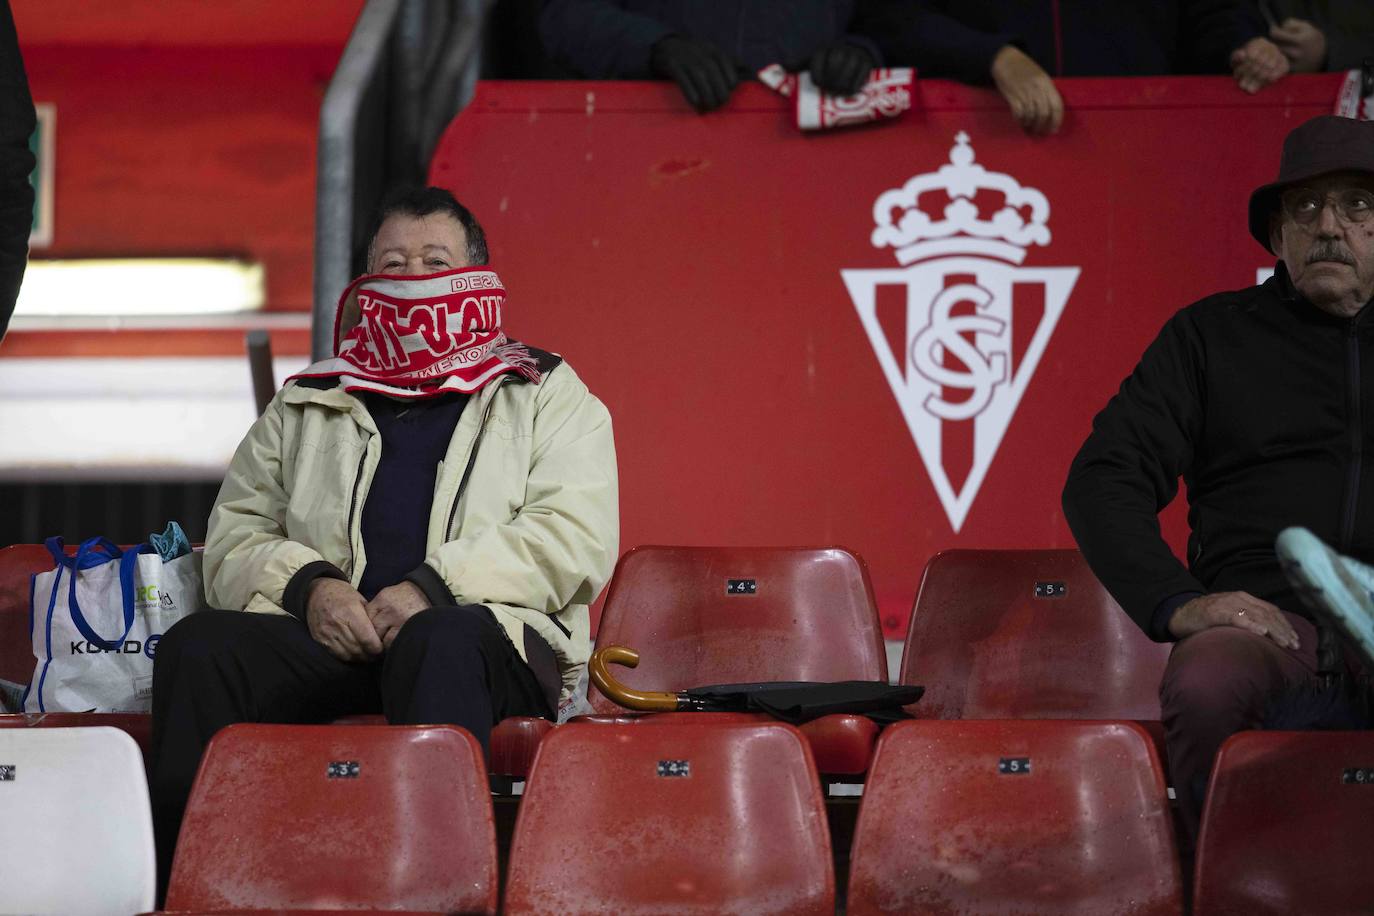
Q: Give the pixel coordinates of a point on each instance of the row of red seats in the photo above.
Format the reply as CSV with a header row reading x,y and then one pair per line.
x,y
994,634
690,814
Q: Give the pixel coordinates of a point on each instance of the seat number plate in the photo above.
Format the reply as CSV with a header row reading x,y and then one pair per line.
x,y
1014,766
1361,776
344,769
1051,589
675,768
741,587
7,772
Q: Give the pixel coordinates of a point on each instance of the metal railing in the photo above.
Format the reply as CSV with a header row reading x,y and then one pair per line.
x,y
408,68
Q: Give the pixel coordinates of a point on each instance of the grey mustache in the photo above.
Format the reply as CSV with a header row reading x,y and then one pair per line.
x,y
1329,251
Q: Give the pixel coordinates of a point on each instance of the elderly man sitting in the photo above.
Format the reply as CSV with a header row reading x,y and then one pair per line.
x,y
1262,401
414,527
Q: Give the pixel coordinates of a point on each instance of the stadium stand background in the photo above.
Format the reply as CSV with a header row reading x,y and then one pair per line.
x,y
196,134
180,134
181,129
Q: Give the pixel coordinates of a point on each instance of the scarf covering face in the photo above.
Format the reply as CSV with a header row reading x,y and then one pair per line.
x,y
423,336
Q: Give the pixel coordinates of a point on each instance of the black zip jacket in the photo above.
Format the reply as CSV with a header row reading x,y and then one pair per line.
x,y
1259,400
614,39
959,38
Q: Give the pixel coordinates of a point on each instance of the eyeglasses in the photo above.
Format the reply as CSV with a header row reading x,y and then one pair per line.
x,y
1304,205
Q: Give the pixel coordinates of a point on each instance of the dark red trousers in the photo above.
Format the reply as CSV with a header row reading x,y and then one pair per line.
x,y
1219,682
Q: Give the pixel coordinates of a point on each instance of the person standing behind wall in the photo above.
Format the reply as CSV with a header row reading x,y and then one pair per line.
x,y
1018,45
1321,35
17,122
707,48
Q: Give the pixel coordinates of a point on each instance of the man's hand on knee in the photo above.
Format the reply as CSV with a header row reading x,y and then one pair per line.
x,y
392,607
1234,609
338,620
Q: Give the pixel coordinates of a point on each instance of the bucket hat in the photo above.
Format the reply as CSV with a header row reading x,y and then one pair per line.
x,y
1325,144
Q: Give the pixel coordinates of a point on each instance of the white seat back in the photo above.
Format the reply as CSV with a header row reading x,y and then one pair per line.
x,y
76,831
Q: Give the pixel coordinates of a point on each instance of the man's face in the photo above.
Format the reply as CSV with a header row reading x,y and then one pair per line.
x,y
1328,251
412,246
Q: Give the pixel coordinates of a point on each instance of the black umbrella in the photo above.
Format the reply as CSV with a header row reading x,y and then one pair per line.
x,y
791,701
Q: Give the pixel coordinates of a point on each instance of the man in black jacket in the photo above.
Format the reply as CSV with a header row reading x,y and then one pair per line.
x,y
1260,399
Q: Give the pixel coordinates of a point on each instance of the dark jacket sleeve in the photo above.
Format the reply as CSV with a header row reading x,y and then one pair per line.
x,y
600,39
16,162
1349,34
1212,29
912,35
1128,470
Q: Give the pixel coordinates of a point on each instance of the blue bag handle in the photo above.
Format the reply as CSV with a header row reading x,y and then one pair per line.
x,y
87,555
94,552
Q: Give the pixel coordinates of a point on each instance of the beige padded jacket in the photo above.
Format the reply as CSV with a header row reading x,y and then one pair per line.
x,y
533,534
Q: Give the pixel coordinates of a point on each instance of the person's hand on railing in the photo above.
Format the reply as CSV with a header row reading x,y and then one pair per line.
x,y
1302,43
841,69
1028,89
705,74
1257,63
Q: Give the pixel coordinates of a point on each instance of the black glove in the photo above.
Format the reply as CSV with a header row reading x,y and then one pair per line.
x,y
841,69
705,74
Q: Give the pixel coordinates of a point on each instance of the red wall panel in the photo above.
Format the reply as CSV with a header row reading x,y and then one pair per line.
x,y
691,267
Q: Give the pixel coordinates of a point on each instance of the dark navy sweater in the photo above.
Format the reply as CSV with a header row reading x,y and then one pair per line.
x,y
415,436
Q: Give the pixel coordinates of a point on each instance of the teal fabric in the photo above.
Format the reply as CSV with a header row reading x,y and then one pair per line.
x,y
171,543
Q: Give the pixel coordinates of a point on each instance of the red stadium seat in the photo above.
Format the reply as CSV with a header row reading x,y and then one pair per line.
x,y
670,816
1028,634
1287,826
720,615
840,744
1007,816
17,563
342,817
513,742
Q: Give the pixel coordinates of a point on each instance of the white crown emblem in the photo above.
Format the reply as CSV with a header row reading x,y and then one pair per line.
x,y
960,326
917,236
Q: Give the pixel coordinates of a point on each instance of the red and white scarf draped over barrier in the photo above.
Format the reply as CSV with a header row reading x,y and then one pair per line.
x,y
423,336
887,94
1356,98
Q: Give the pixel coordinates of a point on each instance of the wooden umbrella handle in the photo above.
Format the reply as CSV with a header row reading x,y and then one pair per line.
x,y
643,700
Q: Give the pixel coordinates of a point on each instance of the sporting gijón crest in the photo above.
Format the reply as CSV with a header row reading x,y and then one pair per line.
x,y
960,327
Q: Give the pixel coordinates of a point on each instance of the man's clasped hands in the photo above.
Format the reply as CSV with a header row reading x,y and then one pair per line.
x,y
354,629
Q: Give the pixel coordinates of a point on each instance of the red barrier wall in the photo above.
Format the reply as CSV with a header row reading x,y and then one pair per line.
x,y
775,378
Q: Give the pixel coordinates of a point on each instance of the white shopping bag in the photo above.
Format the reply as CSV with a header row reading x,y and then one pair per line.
x,y
96,621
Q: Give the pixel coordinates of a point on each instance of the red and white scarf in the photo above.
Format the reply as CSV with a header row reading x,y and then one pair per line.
x,y
423,336
887,94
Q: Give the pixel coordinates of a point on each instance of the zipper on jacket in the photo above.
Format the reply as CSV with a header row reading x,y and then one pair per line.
x,y
352,510
463,484
472,460
1352,480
